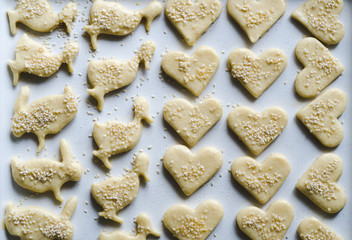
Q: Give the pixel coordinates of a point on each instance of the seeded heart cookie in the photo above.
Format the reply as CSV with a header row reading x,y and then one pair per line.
x,y
321,18
256,17
190,170
192,18
257,73
313,229
192,122
318,183
192,72
257,130
320,67
186,223
261,180
320,116
271,224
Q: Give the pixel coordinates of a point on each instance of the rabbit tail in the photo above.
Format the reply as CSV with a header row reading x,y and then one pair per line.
x,y
68,15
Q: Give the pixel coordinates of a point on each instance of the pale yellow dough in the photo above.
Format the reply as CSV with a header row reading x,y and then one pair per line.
x,y
320,116
192,170
192,72
256,17
35,58
144,228
192,18
320,67
30,223
115,193
257,130
313,229
318,183
192,122
321,18
108,17
270,224
114,137
111,74
257,73
186,223
47,115
39,15
261,180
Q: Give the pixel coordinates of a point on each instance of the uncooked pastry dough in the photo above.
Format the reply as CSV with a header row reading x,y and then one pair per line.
x,y
313,229
192,170
192,122
192,18
320,116
318,183
47,115
186,223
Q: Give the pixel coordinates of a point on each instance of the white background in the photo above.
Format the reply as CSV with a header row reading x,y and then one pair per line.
x,y
162,192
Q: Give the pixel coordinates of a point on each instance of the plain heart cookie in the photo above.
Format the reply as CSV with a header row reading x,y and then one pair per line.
x,y
192,72
257,73
192,18
257,130
261,180
318,183
313,229
321,18
320,117
186,223
192,170
320,67
256,17
192,122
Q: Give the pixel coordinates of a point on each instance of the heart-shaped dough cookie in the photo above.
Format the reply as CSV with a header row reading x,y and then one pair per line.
x,y
313,229
257,130
186,223
320,117
256,17
192,122
261,180
257,73
190,170
271,224
320,67
192,72
192,18
318,183
322,19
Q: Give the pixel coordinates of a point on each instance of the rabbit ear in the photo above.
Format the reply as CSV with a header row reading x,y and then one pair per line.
x,y
65,151
69,207
22,99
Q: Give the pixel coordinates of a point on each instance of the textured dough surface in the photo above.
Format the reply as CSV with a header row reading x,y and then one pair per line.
x,y
313,229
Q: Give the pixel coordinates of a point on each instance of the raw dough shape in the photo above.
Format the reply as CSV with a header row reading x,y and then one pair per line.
x,y
321,18
115,193
261,180
257,130
270,224
313,229
111,74
257,73
192,18
186,223
115,137
144,228
30,223
318,183
35,58
46,115
192,72
192,170
256,17
107,17
320,67
192,122
39,15
43,174
320,116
